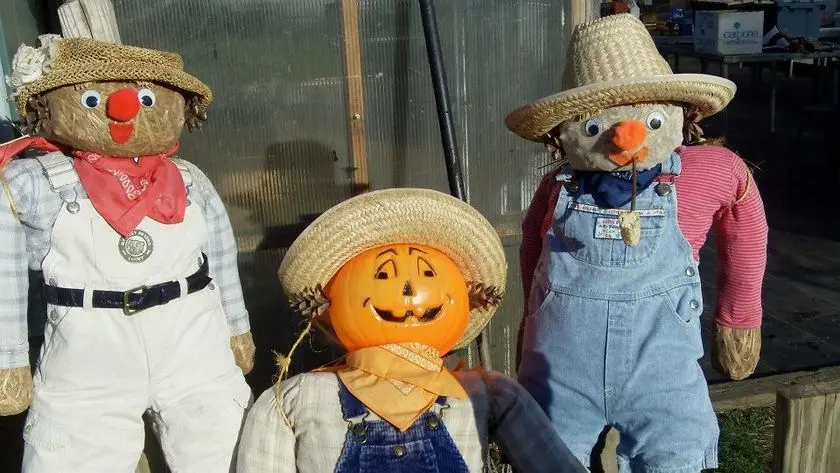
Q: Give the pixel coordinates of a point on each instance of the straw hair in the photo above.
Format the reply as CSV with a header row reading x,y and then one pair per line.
x,y
80,60
419,216
613,61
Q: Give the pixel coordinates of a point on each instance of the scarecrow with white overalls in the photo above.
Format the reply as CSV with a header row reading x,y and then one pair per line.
x,y
145,309
610,251
400,277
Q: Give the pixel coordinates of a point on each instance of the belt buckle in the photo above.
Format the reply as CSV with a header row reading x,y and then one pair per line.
x,y
126,309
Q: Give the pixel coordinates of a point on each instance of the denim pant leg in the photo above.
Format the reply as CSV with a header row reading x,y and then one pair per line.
x,y
558,370
664,413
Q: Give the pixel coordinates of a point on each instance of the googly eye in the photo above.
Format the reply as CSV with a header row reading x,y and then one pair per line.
x,y
655,120
146,97
91,99
593,126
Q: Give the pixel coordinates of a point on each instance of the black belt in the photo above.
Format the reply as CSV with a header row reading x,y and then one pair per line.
x,y
133,300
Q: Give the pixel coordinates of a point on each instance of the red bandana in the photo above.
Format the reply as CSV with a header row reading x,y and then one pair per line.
x,y
121,190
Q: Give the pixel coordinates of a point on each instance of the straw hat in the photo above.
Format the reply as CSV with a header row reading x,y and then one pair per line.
x,y
420,216
59,62
613,61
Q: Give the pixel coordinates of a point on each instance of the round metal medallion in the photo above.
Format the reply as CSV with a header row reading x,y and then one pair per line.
x,y
137,247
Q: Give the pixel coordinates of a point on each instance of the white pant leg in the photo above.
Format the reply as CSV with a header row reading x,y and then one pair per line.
x,y
91,388
200,396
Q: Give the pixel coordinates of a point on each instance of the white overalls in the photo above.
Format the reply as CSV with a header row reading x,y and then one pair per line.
x,y
100,369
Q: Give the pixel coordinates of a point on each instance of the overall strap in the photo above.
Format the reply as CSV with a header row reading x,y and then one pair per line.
x,y
350,406
59,171
185,171
671,168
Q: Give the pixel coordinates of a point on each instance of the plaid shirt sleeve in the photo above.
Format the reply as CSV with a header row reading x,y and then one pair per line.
x,y
222,253
268,443
523,431
18,201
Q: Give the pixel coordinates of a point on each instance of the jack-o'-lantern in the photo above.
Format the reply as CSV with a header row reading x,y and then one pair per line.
x,y
399,293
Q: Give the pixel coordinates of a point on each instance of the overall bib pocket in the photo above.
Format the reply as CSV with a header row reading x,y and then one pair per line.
x,y
410,457
539,301
592,235
686,303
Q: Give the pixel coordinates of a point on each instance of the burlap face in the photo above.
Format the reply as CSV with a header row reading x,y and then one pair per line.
x,y
155,128
588,151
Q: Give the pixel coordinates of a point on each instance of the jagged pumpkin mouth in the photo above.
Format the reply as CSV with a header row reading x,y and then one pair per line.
x,y
428,315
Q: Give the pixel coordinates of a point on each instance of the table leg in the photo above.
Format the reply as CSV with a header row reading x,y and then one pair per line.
x,y
773,81
816,80
724,70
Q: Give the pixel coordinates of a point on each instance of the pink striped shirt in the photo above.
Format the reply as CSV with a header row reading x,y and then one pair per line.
x,y
712,180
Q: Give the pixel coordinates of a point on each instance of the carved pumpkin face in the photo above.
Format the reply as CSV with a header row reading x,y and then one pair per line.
x,y
399,293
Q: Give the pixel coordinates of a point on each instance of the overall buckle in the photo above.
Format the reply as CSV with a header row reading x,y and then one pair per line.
x,y
126,309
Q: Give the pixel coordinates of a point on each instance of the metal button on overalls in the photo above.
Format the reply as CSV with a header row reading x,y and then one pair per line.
x,y
399,451
432,422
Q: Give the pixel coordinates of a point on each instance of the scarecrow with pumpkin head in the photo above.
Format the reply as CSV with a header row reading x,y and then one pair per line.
x,y
610,253
145,308
400,277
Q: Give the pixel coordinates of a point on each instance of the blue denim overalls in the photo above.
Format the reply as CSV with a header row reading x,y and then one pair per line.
x,y
379,447
613,334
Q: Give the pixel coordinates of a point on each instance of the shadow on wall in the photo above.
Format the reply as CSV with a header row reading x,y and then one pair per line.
x,y
269,208
300,179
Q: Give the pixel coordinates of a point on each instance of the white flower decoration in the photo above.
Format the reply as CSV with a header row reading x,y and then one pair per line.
x,y
49,46
27,66
30,64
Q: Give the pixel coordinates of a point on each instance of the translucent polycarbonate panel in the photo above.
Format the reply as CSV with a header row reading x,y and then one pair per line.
x,y
277,143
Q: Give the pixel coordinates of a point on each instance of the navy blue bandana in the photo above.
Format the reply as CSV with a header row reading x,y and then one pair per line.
x,y
615,189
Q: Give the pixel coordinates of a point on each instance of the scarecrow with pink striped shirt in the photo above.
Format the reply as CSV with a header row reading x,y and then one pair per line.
x,y
610,253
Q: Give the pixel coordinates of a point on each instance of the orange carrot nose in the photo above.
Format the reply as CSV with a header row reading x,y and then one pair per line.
x,y
629,135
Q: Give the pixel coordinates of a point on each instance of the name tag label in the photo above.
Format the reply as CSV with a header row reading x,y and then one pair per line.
x,y
607,229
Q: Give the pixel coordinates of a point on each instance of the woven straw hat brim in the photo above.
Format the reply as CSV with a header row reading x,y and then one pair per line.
x,y
117,71
419,216
706,93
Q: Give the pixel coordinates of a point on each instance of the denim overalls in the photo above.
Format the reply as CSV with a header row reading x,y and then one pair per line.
x,y
613,333
378,447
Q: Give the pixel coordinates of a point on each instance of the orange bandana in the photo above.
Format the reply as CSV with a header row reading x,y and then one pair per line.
x,y
399,382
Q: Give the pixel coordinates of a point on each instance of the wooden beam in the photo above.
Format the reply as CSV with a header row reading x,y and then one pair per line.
x,y
354,93
581,11
807,430
749,393
761,392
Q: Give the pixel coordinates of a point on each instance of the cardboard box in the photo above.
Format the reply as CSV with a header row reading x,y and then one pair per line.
x,y
728,32
801,19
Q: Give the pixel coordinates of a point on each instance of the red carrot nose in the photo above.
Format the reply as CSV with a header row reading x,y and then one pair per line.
x,y
123,105
629,134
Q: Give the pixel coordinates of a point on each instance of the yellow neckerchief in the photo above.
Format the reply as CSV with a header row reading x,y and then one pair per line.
x,y
399,382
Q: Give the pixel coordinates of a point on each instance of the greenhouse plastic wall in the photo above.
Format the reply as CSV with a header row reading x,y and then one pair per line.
x,y
277,147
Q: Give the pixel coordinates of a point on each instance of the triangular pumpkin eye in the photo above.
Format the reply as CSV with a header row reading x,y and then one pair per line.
x,y
424,268
386,270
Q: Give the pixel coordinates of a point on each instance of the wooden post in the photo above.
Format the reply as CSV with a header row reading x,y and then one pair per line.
x,y
352,52
807,432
